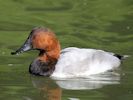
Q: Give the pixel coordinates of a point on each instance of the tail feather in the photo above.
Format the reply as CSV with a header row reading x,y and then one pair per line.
x,y
121,57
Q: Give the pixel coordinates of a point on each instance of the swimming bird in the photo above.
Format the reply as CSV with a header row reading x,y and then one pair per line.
x,y
68,62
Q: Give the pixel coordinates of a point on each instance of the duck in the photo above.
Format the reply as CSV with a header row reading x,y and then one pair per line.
x,y
68,62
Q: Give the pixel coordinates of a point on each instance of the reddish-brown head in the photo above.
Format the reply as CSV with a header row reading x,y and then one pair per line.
x,y
45,41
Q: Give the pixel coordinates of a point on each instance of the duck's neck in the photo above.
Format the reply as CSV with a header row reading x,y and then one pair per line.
x,y
51,53
49,56
44,65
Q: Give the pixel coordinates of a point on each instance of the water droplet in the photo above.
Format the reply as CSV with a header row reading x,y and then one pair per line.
x,y
10,64
3,53
128,27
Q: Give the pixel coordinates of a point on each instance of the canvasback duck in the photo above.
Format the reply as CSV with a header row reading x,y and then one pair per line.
x,y
66,63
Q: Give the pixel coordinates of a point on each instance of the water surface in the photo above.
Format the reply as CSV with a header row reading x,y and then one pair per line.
x,y
100,24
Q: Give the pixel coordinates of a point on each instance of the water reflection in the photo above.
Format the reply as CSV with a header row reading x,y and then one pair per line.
x,y
91,82
49,90
52,89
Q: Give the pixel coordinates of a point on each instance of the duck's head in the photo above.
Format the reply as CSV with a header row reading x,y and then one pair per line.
x,y
45,41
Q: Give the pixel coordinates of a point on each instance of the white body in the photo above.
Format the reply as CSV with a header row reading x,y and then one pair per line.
x,y
76,62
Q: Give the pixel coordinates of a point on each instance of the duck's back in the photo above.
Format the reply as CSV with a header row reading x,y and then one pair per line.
x,y
76,62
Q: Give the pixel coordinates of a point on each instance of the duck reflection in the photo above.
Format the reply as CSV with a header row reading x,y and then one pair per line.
x,y
91,82
51,89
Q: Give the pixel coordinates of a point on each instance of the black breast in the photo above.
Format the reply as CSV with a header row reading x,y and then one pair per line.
x,y
42,68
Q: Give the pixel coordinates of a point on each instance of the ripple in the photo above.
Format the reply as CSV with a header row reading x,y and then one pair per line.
x,y
64,6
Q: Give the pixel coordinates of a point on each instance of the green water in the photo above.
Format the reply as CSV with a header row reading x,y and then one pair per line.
x,y
100,24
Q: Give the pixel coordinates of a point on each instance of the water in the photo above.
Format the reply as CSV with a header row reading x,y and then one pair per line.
x,y
101,24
